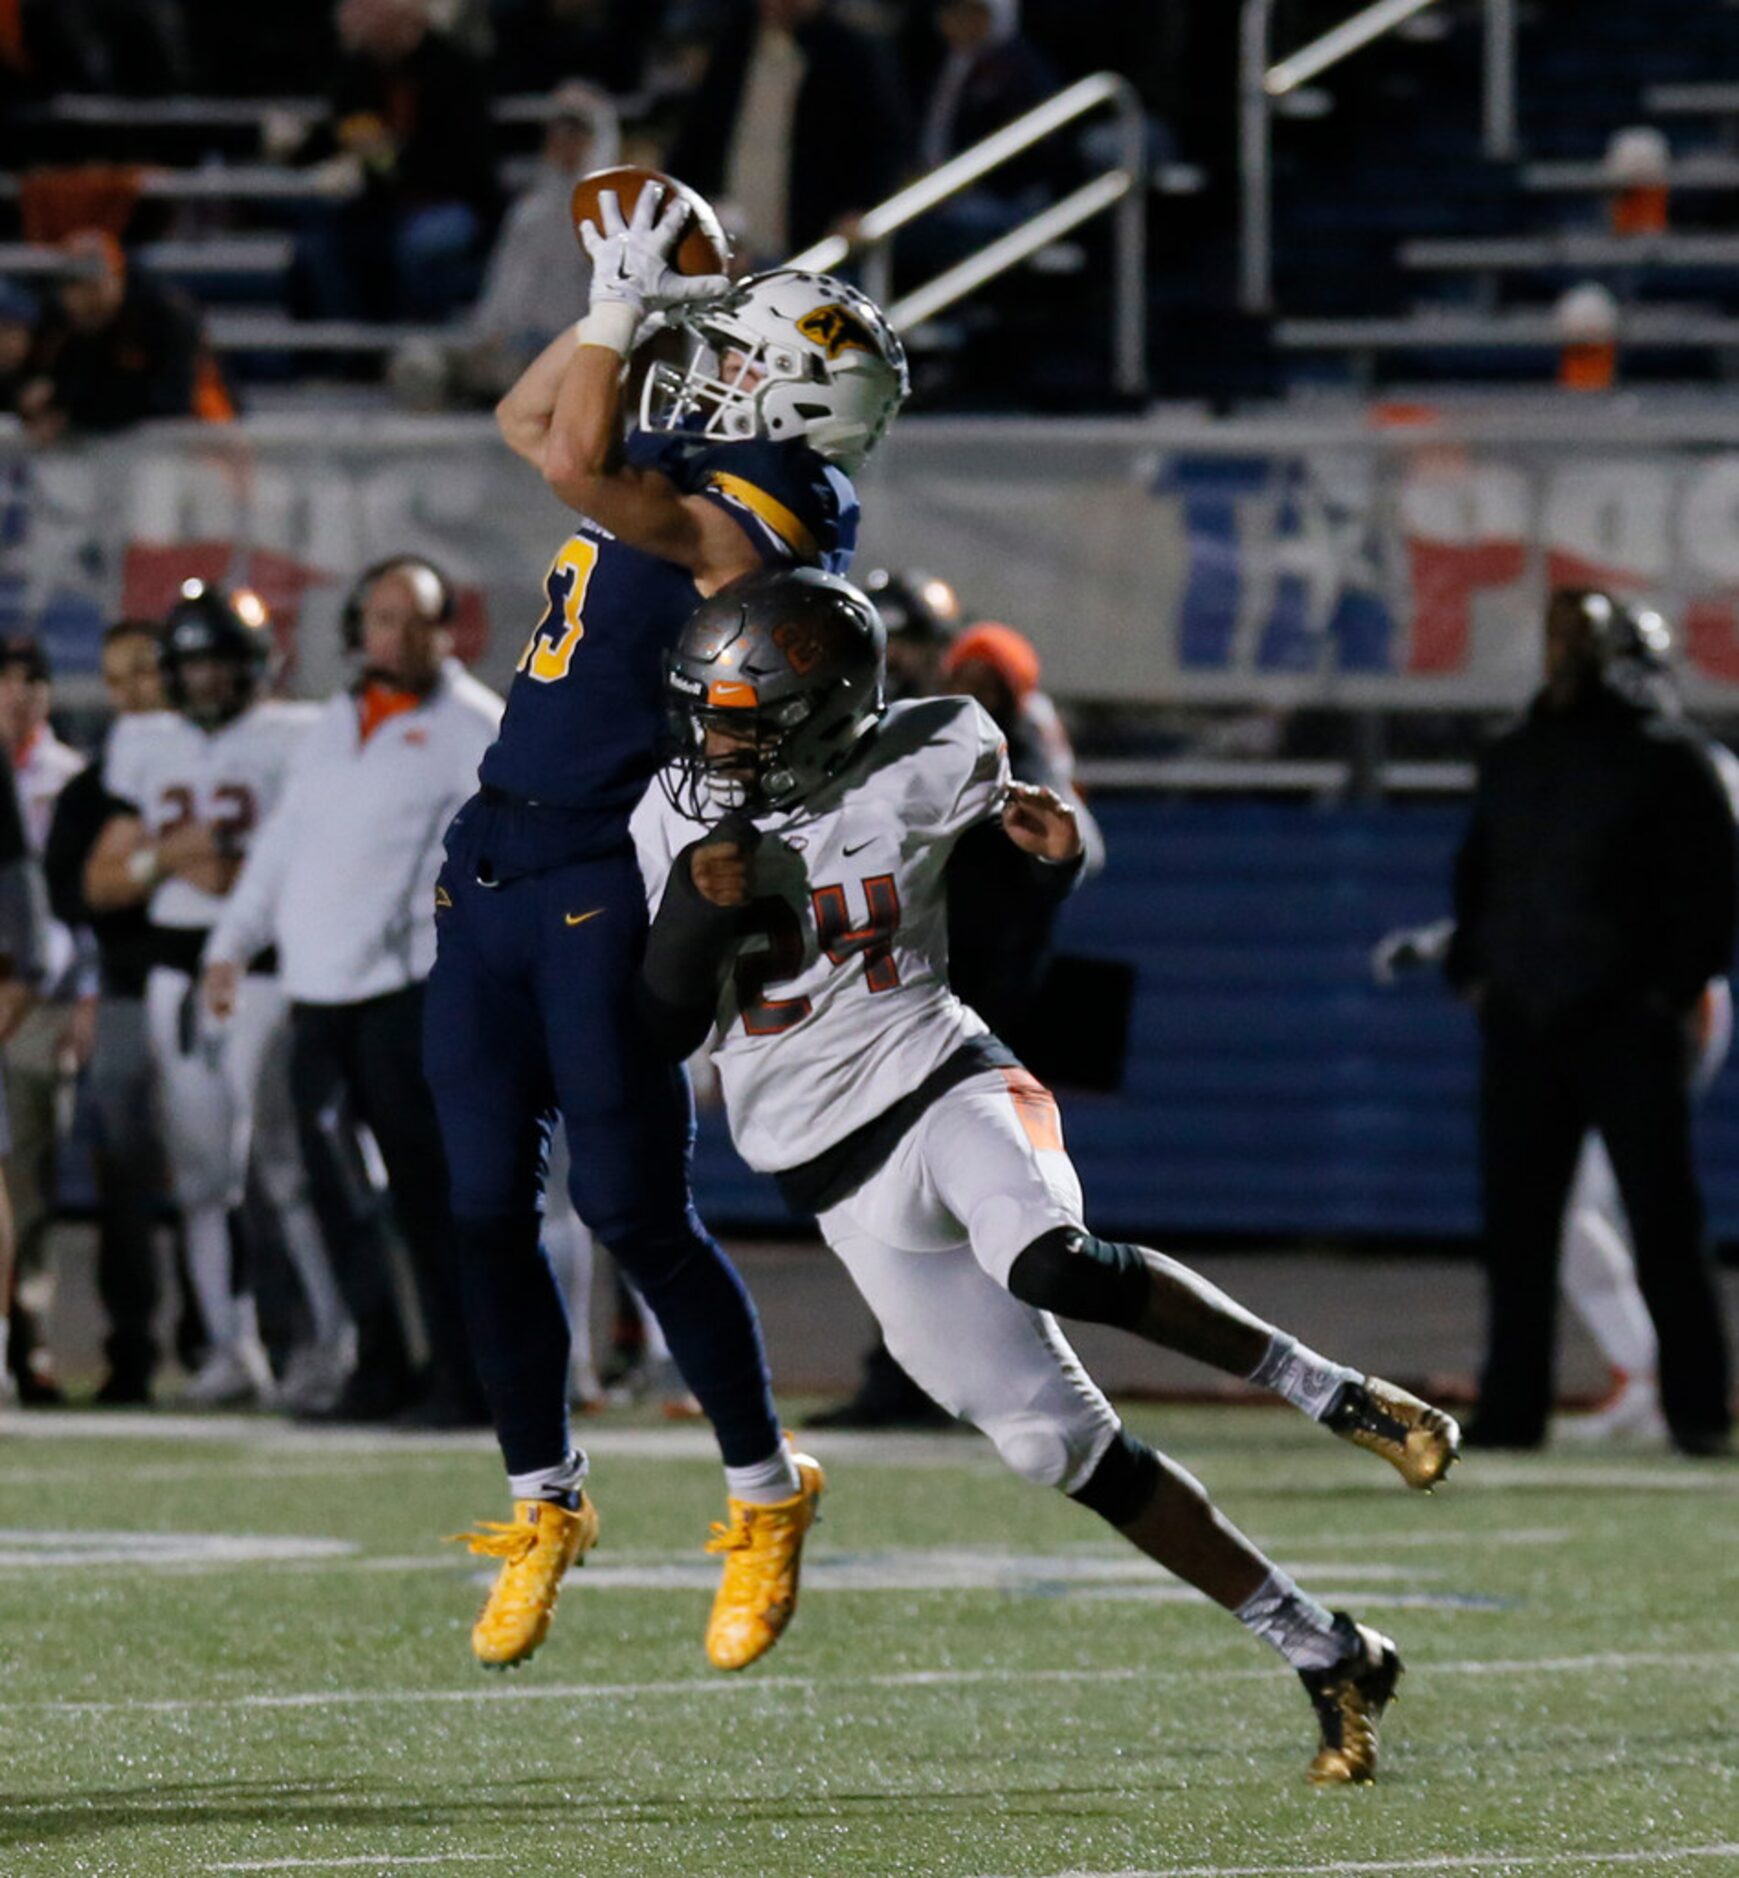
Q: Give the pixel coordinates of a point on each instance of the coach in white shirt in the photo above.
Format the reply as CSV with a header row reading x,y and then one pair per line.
x,y
342,879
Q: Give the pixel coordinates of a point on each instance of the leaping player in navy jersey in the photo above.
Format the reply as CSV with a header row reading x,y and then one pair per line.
x,y
741,460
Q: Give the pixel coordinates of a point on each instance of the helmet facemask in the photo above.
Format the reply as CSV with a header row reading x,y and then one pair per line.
x,y
750,759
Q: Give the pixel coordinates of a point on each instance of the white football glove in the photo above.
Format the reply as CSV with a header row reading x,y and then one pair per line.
x,y
631,260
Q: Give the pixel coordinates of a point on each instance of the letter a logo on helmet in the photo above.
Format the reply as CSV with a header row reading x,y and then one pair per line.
x,y
834,328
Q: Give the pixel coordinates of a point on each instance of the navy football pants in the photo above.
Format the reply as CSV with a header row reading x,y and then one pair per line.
x,y
531,1008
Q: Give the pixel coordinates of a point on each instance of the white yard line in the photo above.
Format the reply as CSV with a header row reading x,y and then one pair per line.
x,y
1471,1861
373,1861
688,1687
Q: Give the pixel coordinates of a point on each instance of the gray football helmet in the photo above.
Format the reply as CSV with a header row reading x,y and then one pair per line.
x,y
1632,645
770,688
814,360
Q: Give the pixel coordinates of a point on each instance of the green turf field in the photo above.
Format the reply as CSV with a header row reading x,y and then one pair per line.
x,y
246,1651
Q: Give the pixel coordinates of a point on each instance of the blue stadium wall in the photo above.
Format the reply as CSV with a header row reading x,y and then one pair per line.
x,y
1272,1088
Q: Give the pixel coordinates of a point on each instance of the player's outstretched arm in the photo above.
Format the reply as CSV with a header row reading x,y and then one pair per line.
x,y
524,415
581,455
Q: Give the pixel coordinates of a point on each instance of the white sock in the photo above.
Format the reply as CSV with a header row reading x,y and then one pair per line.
x,y
306,1245
1298,1375
776,1478
209,1267
1293,1622
561,1482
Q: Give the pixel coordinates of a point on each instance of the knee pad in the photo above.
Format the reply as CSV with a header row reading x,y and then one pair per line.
x,y
1073,1274
1124,1481
1036,1447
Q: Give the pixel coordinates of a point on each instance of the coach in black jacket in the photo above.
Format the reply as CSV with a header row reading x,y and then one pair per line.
x,y
1594,899
843,120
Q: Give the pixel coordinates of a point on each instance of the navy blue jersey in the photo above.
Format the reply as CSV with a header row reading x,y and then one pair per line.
x,y
585,715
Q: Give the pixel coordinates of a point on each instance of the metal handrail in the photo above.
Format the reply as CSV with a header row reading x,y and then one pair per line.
x,y
1340,42
1260,83
1123,188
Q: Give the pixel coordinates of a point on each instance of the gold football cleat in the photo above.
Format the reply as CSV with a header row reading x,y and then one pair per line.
x,y
763,1553
1349,1700
1420,1442
535,1548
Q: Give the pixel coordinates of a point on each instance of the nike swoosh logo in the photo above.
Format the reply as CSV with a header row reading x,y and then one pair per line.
x,y
579,919
849,852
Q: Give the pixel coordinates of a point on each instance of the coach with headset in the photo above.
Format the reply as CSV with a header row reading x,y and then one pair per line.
x,y
1595,897
342,879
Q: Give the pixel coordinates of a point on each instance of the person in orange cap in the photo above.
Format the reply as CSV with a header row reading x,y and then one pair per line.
x,y
114,347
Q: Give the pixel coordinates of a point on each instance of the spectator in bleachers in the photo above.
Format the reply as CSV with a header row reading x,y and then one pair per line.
x,y
127,1153
539,276
53,1041
410,111
18,315
607,40
798,124
991,75
138,48
113,347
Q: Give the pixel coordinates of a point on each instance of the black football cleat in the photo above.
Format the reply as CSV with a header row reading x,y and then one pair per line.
x,y
1420,1442
1349,1700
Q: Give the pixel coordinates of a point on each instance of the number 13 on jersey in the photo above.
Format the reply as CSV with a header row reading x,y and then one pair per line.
x,y
550,649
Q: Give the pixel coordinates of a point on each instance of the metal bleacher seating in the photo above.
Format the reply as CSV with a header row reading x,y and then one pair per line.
x,y
1392,186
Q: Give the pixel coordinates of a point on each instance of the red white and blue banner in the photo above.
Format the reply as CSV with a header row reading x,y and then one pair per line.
x,y
1276,561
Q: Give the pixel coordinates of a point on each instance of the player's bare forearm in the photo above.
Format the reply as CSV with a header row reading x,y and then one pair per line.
x,y
113,876
585,432
582,463
524,415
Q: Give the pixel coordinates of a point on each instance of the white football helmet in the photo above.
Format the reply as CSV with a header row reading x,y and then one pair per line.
x,y
812,359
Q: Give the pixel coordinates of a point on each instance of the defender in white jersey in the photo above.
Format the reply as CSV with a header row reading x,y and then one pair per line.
x,y
797,854
198,780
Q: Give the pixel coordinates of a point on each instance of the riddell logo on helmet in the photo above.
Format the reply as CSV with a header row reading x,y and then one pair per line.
x,y
836,329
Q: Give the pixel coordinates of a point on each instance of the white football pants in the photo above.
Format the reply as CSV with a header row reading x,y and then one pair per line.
x,y
209,1078
929,1240
1597,1274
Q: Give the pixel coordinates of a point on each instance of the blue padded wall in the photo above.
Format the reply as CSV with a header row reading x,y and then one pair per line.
x,y
1272,1089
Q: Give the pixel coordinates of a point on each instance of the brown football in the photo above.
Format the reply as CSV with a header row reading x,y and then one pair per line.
x,y
703,248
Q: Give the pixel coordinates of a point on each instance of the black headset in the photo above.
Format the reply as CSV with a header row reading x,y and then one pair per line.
x,y
446,600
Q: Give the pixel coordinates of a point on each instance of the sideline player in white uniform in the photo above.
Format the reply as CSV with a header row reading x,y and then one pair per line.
x,y
807,932
200,777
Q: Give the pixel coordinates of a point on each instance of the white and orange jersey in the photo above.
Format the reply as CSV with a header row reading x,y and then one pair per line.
x,y
840,1005
172,772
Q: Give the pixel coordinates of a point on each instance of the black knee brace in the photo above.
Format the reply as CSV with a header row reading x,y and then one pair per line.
x,y
1124,1481
1075,1275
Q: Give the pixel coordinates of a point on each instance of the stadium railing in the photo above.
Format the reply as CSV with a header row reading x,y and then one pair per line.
x,y
1263,83
1122,189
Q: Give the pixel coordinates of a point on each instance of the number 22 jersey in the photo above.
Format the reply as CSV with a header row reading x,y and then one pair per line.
x,y
840,1003
169,770
584,723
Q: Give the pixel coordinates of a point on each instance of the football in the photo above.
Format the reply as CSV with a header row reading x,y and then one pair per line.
x,y
703,247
